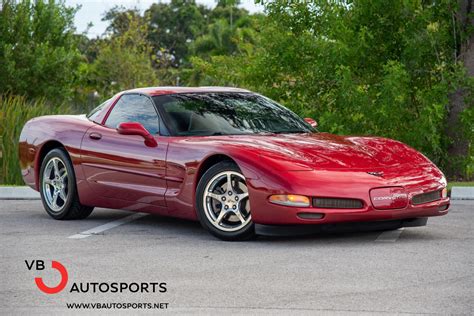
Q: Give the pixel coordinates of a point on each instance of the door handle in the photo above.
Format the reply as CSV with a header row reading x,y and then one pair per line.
x,y
94,135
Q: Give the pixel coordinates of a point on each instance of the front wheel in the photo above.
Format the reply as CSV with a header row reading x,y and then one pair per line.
x,y
222,201
58,187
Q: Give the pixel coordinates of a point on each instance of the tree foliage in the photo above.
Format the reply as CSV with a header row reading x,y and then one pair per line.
x,y
38,49
360,67
368,67
173,26
123,62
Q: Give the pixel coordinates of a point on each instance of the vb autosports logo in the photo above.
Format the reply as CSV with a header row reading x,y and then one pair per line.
x,y
90,287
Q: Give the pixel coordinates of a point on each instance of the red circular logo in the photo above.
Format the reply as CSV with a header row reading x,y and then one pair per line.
x,y
62,284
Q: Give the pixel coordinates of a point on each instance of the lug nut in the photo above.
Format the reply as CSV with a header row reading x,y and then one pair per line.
x,y
230,193
236,198
223,198
234,207
226,207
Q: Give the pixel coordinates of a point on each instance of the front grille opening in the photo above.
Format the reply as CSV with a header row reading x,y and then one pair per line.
x,y
426,197
310,215
321,202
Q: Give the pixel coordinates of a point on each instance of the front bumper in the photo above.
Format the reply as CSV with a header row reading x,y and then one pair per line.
x,y
283,215
351,185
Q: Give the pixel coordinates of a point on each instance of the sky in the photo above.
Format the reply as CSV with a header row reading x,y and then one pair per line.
x,y
93,10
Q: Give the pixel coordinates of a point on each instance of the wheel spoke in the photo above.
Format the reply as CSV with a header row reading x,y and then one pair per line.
x,y
62,194
51,187
220,217
56,168
229,182
54,201
215,196
63,175
47,180
239,216
243,196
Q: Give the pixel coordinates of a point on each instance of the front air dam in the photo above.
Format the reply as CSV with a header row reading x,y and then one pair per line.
x,y
301,230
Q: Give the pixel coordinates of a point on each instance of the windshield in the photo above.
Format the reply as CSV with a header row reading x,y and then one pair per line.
x,y
228,114
96,111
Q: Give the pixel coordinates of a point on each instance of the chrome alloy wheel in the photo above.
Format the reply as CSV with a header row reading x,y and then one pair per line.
x,y
226,202
55,184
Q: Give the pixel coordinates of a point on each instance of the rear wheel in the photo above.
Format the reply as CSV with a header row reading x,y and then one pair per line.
x,y
222,201
58,187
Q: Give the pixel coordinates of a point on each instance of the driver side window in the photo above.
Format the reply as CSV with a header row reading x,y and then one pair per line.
x,y
134,108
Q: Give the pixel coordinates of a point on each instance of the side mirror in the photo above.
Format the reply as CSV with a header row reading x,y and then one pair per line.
x,y
311,122
135,128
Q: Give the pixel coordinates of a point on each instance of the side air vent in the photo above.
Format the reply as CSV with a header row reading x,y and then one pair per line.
x,y
426,197
337,203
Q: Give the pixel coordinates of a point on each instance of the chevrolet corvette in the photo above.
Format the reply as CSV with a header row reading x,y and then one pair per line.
x,y
236,161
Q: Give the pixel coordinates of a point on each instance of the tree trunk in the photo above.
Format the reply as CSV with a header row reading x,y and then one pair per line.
x,y
458,149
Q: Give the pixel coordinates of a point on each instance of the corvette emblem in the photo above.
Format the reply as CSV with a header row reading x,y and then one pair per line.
x,y
392,198
375,173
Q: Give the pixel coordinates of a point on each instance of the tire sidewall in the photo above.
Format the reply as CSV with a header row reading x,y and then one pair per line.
x,y
71,183
244,233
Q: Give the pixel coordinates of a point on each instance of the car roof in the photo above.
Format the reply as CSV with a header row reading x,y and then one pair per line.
x,y
152,91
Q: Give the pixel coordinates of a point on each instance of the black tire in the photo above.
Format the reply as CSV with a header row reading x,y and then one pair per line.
x,y
71,208
247,231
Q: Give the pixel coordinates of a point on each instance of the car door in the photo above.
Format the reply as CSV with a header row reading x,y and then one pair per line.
x,y
121,166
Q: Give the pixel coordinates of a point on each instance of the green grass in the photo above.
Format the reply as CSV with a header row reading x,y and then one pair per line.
x,y
460,184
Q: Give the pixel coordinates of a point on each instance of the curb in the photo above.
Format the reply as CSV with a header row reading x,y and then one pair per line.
x,y
18,193
27,193
462,193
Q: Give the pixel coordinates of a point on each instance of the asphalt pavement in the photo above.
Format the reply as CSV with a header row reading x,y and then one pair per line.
x,y
427,270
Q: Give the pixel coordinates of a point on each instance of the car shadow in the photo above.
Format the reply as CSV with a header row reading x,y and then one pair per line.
x,y
182,227
169,227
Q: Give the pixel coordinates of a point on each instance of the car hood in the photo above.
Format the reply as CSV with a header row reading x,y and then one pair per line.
x,y
328,151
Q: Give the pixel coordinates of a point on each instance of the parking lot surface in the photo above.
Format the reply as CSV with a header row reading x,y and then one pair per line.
x,y
427,270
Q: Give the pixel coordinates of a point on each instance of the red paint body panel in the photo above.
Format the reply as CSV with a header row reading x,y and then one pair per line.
x,y
119,171
121,166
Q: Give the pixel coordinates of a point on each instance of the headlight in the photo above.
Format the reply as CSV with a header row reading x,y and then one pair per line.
x,y
290,200
444,193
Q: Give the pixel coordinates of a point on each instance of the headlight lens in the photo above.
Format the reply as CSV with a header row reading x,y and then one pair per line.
x,y
290,200
444,193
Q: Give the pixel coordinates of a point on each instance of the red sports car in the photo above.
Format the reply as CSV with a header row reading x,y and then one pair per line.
x,y
236,161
